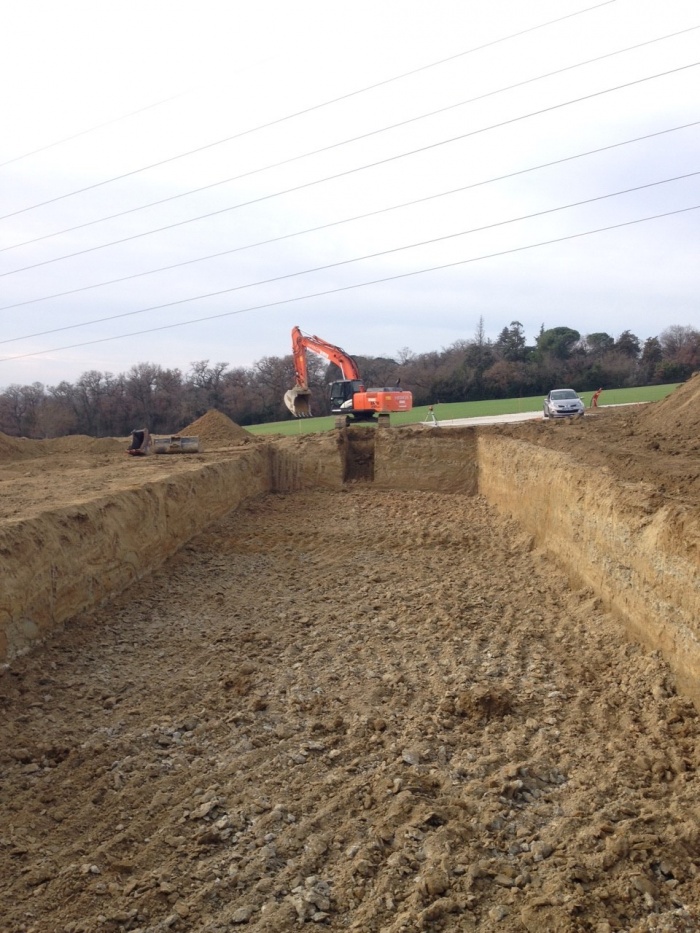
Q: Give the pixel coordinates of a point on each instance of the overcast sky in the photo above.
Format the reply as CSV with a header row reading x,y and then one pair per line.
x,y
402,145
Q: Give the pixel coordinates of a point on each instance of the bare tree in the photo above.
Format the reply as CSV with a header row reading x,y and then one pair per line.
x,y
679,342
141,383
19,408
207,384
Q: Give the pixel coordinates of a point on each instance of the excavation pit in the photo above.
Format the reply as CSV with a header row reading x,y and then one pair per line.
x,y
409,679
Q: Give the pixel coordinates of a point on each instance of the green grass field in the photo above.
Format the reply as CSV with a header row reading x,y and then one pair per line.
x,y
448,412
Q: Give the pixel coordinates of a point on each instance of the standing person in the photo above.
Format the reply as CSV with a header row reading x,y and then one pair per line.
x,y
595,397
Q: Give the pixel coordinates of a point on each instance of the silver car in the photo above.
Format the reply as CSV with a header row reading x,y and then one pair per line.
x,y
563,403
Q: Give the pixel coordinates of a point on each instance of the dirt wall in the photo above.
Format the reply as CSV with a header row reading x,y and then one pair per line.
x,y
70,559
306,462
62,561
641,557
642,560
427,460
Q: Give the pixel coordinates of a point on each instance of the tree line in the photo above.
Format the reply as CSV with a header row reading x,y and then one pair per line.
x,y
166,400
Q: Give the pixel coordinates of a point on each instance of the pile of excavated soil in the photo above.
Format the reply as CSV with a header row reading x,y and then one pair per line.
x,y
22,448
82,444
38,475
215,429
677,418
361,710
13,448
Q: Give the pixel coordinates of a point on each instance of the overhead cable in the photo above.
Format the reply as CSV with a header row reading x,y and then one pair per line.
x,y
314,107
346,262
92,129
346,288
352,219
346,220
344,142
403,155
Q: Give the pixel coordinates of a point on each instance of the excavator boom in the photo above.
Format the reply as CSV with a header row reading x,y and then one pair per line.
x,y
298,399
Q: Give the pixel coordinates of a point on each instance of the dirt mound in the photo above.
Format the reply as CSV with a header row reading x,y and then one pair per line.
x,y
23,448
12,448
677,417
82,444
216,428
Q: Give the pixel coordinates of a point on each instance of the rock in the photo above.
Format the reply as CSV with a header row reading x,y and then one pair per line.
x,y
434,883
242,914
645,886
540,850
203,810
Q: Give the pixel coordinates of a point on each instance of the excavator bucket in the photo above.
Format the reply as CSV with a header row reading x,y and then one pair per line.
x,y
298,401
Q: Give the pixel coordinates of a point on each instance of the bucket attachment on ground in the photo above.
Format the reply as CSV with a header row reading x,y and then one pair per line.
x,y
298,401
140,443
175,444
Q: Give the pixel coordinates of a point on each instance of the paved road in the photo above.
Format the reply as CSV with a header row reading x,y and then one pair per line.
x,y
491,419
509,419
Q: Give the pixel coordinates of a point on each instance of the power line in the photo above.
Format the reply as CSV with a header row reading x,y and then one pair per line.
x,y
345,142
313,108
402,155
92,129
336,223
100,126
345,288
332,291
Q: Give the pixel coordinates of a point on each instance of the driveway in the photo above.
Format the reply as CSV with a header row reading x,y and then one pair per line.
x,y
489,419
510,419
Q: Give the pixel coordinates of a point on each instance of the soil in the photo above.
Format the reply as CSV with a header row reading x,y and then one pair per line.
x,y
366,710
657,444
215,429
37,475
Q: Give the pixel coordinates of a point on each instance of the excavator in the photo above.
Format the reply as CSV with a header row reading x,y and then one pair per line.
x,y
349,397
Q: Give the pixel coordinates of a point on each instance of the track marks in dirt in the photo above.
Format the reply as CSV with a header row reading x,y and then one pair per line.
x,y
376,711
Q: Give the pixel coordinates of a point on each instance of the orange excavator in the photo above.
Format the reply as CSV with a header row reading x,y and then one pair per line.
x,y
349,397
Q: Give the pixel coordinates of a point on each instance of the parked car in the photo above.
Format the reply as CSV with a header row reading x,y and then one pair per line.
x,y
563,403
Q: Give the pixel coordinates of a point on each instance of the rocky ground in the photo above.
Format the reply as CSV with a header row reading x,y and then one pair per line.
x,y
360,710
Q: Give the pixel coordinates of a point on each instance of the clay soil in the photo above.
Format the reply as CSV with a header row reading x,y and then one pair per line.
x,y
360,710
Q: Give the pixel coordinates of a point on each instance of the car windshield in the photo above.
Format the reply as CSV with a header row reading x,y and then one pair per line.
x,y
558,394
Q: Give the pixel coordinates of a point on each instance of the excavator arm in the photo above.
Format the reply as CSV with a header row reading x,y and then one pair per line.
x,y
298,398
301,343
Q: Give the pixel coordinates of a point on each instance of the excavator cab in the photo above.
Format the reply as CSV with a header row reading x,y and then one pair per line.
x,y
342,394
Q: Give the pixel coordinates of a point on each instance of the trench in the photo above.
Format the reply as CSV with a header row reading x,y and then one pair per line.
x,y
598,534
